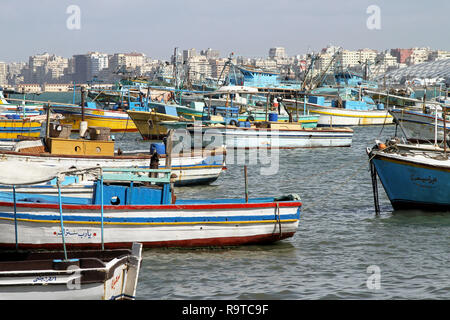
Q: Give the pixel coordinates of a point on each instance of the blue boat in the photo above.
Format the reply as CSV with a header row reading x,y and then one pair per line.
x,y
128,204
413,177
258,78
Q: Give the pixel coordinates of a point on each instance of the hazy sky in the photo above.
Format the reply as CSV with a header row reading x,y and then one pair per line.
x,y
245,27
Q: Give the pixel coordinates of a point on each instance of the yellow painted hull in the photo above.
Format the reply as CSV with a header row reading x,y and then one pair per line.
x,y
11,129
148,123
115,124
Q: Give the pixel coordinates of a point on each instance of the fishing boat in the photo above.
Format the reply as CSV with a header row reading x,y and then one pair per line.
x,y
70,275
148,122
11,129
413,176
337,112
191,168
129,206
421,124
419,121
117,120
18,120
264,135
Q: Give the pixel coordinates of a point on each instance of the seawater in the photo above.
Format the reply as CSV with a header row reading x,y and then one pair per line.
x,y
339,242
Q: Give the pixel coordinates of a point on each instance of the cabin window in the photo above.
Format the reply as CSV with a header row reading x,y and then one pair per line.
x,y
115,201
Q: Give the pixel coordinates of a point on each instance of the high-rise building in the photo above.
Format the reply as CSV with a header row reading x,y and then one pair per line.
x,y
3,74
96,62
81,68
277,52
127,61
210,53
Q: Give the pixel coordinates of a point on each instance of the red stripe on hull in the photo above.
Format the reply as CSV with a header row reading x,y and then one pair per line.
x,y
190,243
158,207
125,130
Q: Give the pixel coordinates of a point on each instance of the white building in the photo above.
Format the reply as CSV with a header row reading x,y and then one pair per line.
x,y
349,58
3,74
277,52
418,55
438,55
97,62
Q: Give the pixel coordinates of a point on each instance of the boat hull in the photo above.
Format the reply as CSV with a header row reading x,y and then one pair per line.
x,y
254,138
334,117
194,168
11,129
414,182
117,121
418,126
88,275
178,225
148,123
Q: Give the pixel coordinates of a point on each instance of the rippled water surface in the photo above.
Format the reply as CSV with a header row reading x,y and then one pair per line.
x,y
338,238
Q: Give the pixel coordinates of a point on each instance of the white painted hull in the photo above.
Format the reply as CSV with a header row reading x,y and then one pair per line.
x,y
190,169
55,279
331,116
250,138
212,224
419,126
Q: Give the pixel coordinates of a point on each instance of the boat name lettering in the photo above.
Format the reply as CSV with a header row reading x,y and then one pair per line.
x,y
430,180
114,281
44,279
85,234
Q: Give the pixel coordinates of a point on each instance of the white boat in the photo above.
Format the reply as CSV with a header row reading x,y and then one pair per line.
x,y
272,135
196,167
123,210
70,275
331,116
421,125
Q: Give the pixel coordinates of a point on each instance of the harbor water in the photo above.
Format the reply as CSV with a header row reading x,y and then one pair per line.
x,y
341,250
340,245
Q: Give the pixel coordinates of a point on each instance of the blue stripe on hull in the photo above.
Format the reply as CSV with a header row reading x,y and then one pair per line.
x,y
136,220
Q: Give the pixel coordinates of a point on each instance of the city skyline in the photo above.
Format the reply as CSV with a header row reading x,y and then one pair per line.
x,y
247,28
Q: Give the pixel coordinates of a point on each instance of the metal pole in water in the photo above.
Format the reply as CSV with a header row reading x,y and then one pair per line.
x,y
246,184
373,173
101,205
15,217
61,218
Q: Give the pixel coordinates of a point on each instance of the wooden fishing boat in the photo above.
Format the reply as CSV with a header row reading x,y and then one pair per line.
x,y
414,177
190,168
421,125
86,275
116,120
18,120
11,129
149,125
352,113
129,206
265,135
